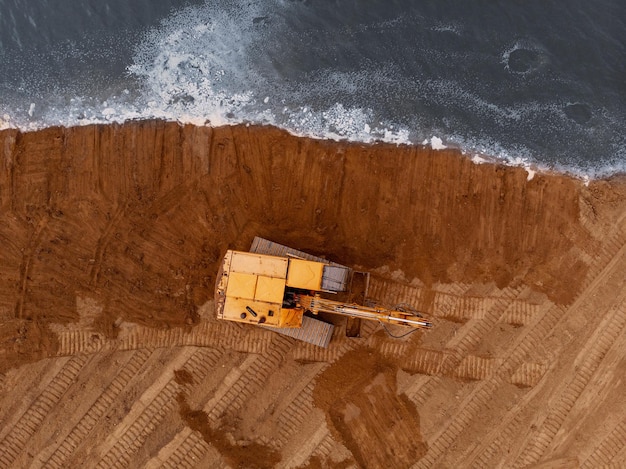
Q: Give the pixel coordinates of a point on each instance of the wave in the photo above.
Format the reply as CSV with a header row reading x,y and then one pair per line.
x,y
319,74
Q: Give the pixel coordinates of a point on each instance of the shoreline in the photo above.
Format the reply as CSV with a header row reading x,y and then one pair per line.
x,y
476,155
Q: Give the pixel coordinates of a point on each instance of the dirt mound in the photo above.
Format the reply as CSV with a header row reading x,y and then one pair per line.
x,y
362,404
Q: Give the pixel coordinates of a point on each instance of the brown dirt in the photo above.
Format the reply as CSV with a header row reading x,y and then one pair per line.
x,y
138,216
249,455
379,427
110,240
183,377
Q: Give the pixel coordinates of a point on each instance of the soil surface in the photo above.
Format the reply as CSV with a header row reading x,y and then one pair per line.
x,y
110,354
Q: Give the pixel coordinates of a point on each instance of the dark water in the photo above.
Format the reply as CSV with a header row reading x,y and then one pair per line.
x,y
532,81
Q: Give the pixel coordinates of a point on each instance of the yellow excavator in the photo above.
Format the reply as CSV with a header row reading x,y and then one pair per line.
x,y
284,289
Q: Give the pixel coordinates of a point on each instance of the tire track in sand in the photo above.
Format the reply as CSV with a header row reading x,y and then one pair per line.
x,y
482,394
510,426
26,265
13,443
214,334
588,360
103,242
187,447
147,412
63,453
605,453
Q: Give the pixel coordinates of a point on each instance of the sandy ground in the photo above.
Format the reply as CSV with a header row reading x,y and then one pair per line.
x,y
110,355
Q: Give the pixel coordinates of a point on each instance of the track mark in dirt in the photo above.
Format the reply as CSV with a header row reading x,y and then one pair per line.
x,y
528,374
475,368
588,360
239,454
611,251
415,359
33,418
463,344
317,444
604,454
454,305
458,305
103,242
236,389
460,308
327,447
76,339
394,349
63,453
144,416
26,265
510,424
294,415
137,433
521,313
481,395
186,448
28,383
359,394
249,377
603,267
183,451
298,425
428,362
522,347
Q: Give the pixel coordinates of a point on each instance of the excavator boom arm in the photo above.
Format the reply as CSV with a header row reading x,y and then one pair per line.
x,y
316,305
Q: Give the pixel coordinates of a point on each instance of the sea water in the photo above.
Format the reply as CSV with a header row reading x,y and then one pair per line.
x,y
535,82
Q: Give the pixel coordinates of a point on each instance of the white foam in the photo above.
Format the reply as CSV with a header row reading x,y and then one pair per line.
x,y
436,143
108,113
455,95
5,122
195,65
203,66
477,159
448,28
341,123
529,45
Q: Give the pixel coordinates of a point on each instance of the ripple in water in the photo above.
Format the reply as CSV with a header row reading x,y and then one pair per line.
x,y
578,112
